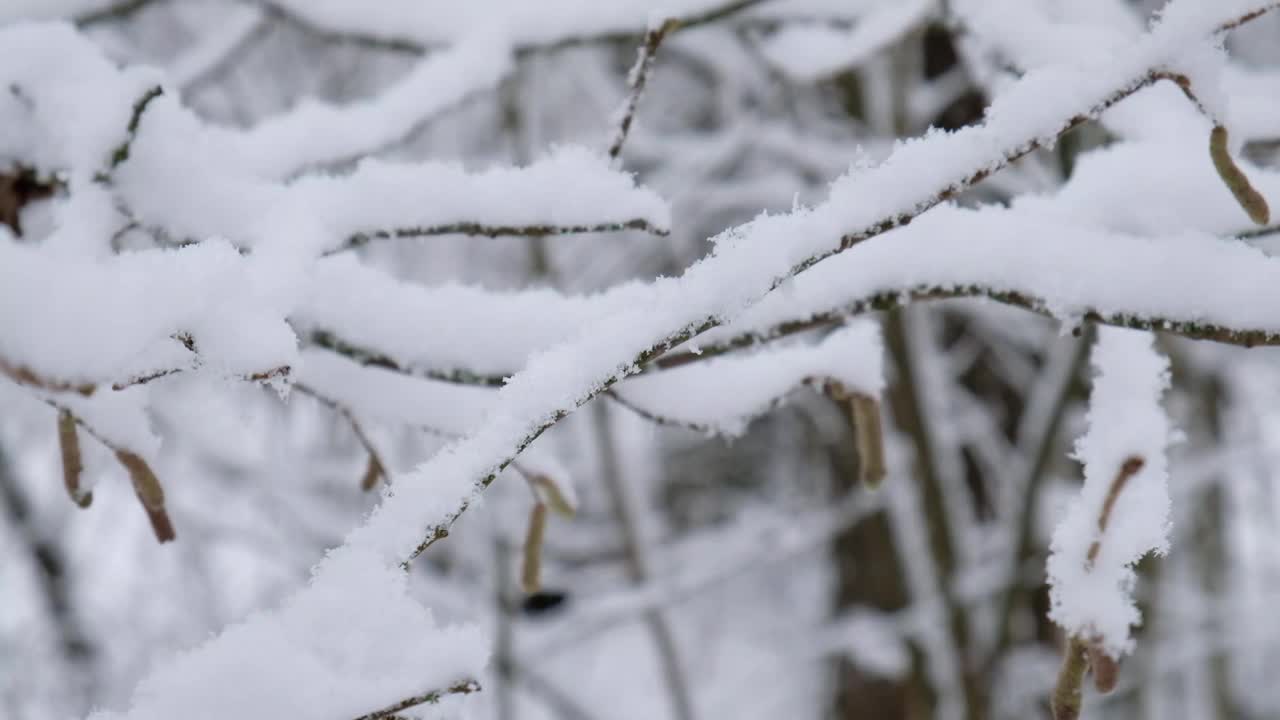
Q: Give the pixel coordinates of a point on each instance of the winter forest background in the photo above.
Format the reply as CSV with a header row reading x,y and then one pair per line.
x,y
607,359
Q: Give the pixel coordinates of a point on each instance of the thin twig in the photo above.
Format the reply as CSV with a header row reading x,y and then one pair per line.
x,y
494,231
376,469
637,79
657,622
879,301
1037,435
465,687
711,428
1128,469
121,153
373,358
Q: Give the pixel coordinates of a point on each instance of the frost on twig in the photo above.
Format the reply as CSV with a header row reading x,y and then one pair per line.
x,y
121,153
637,79
428,698
1122,513
375,469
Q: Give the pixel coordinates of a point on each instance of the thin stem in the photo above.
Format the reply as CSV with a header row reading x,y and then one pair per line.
x,y
625,514
494,231
376,469
432,697
637,79
121,153
1068,693
878,301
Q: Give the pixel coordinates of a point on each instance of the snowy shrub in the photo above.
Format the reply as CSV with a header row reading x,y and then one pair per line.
x,y
157,268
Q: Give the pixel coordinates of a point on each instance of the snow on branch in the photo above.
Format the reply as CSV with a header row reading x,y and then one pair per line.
x,y
751,260
171,172
572,190
452,333
637,79
269,666
808,52
76,323
722,395
317,134
1121,515
298,663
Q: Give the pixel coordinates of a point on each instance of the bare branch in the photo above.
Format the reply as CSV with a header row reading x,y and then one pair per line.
x,y
376,469
709,428
373,358
121,153
24,375
465,687
494,231
637,79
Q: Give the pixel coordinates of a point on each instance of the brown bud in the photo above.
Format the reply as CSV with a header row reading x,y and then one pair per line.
x,y
531,572
1235,179
147,487
869,438
1106,670
72,463
373,472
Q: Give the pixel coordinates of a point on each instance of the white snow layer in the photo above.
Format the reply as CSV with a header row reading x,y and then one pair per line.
x,y
723,394
1094,599
352,642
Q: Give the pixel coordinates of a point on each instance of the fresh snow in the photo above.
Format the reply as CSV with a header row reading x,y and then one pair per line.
x,y
1094,599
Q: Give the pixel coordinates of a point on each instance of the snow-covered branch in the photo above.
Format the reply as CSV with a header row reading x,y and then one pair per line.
x,y
1121,515
271,224
637,79
746,265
